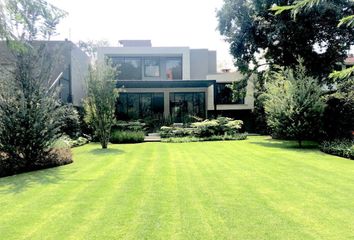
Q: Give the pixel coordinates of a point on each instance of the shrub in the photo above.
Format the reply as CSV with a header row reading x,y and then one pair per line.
x,y
218,127
166,132
342,148
57,156
70,120
66,141
239,136
133,126
127,137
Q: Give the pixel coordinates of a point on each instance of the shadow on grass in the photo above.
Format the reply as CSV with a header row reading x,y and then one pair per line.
x,y
108,151
287,144
18,183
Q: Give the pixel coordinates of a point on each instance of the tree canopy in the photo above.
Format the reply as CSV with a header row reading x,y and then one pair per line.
x,y
253,30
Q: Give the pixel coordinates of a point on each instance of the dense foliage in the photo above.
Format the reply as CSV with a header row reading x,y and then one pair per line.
x,y
127,136
251,28
221,126
293,104
70,119
30,110
101,101
342,148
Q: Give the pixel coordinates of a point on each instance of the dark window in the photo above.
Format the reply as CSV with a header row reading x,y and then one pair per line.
x,y
152,67
185,105
140,105
173,68
129,68
224,95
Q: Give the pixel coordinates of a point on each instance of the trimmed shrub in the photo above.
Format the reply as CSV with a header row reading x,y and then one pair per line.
x,y
239,136
127,136
134,126
57,156
66,141
342,148
218,127
166,132
70,120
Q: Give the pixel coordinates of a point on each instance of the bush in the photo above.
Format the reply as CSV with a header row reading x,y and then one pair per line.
x,y
127,137
134,126
166,132
70,120
57,156
218,127
66,141
239,136
342,148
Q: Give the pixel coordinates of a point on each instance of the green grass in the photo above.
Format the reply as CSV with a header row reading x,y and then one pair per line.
x,y
252,189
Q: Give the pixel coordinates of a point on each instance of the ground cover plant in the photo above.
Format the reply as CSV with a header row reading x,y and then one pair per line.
x,y
253,189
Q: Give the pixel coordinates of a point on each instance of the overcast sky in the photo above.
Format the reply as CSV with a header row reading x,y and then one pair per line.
x,y
190,23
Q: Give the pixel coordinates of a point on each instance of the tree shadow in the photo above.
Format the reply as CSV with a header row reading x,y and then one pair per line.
x,y
107,151
16,184
287,144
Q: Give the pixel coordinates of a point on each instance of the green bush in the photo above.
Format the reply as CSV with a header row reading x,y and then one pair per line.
x,y
70,120
66,141
133,126
239,136
127,136
166,132
342,148
218,127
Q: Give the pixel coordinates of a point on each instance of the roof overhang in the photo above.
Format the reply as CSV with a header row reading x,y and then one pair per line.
x,y
165,83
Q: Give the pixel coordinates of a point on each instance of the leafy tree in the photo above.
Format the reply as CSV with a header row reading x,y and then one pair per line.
x,y
29,101
253,32
101,100
293,104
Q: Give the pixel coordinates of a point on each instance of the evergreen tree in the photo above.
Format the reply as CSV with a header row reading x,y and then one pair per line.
x,y
293,104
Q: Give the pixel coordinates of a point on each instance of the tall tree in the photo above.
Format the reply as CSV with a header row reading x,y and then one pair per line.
x,y
253,31
29,102
293,104
101,100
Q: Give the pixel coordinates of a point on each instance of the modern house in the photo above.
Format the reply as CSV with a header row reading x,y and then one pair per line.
x,y
173,82
70,68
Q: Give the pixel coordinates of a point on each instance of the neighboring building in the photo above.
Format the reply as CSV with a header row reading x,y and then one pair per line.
x,y
71,66
172,82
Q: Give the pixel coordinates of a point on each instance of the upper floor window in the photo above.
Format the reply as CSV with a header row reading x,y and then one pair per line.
x,y
129,68
152,67
173,68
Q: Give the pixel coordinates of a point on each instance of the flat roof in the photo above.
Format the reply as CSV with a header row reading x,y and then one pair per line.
x,y
164,83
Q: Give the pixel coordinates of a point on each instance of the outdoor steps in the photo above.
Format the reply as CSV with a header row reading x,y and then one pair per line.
x,y
152,137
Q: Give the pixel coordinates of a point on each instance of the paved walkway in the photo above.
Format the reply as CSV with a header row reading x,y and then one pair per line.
x,y
153,137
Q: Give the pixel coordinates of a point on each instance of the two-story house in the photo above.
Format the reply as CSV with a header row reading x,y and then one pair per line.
x,y
174,82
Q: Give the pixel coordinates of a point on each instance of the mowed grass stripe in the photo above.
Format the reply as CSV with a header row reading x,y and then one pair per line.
x,y
253,189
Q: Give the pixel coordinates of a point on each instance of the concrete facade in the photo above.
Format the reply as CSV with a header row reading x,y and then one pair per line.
x,y
198,65
69,62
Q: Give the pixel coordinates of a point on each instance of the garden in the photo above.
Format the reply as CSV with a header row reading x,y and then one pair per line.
x,y
79,172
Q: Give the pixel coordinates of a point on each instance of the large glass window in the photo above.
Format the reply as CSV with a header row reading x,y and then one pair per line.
x,y
224,95
173,68
129,68
185,105
152,67
140,105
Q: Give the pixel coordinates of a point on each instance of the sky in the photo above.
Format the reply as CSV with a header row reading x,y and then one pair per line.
x,y
190,23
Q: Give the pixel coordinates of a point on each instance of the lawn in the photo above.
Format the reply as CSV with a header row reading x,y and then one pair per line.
x,y
252,189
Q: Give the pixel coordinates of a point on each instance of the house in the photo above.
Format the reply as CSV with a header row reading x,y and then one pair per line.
x,y
173,82
69,71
